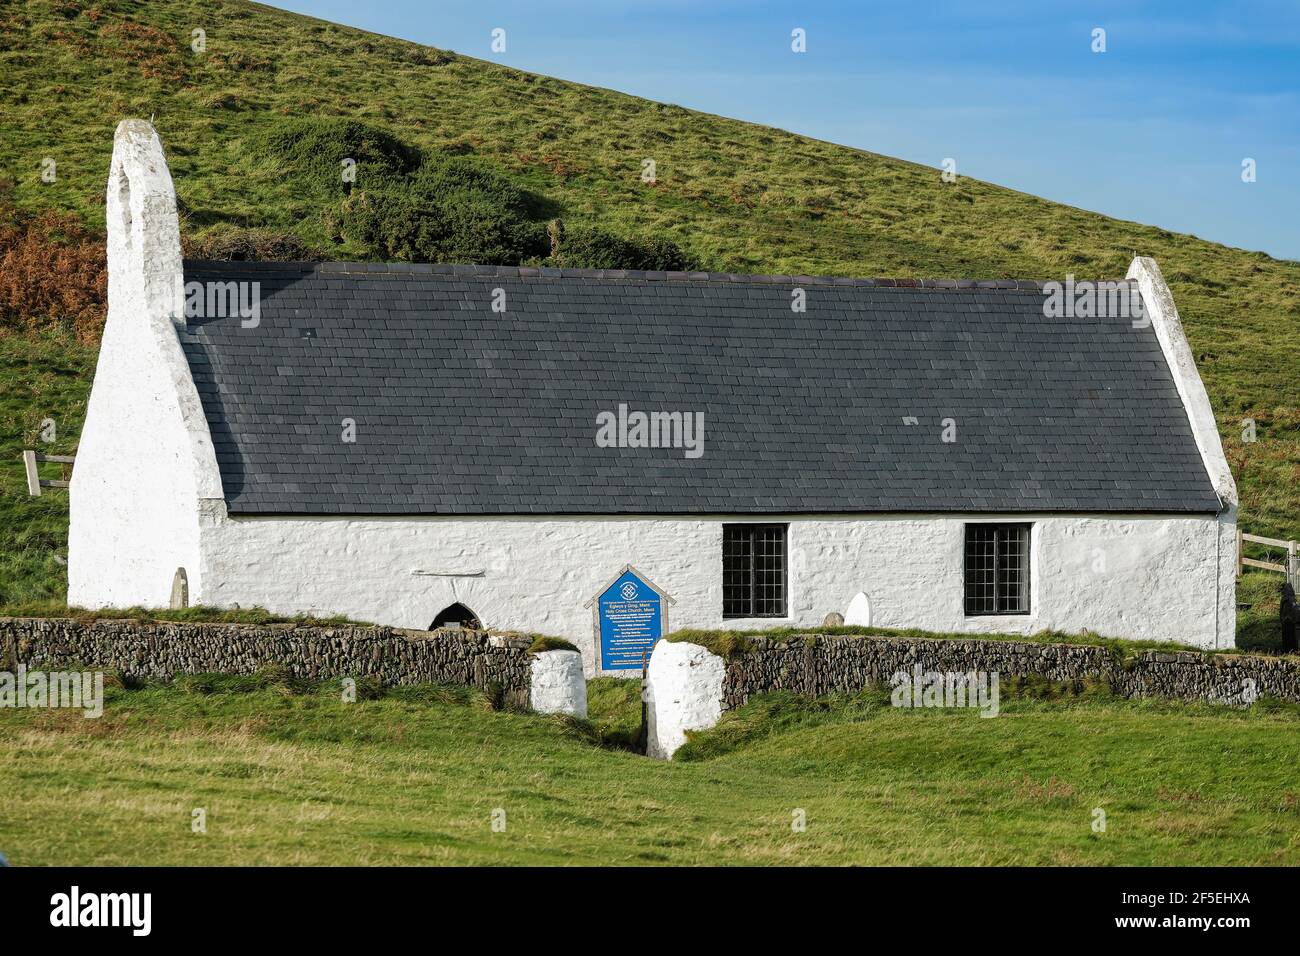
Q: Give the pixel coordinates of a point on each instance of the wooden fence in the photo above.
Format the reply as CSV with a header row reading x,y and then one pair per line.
x,y
34,480
1291,568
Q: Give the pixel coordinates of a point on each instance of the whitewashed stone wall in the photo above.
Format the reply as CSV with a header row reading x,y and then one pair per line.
x,y
145,460
1139,577
1158,302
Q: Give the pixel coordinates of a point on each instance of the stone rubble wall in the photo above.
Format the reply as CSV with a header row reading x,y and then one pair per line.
x,y
816,664
163,650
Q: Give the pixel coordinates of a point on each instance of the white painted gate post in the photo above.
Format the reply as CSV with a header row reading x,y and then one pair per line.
x,y
683,692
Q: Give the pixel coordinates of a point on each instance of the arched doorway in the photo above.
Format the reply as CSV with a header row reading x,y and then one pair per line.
x,y
456,615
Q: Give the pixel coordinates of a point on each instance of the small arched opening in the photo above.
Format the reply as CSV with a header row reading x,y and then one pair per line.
x,y
456,615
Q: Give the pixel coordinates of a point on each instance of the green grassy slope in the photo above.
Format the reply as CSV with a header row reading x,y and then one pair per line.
x,y
736,196
39,379
414,777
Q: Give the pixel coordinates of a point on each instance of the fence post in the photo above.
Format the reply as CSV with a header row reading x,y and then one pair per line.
x,y
643,734
1292,566
1289,613
1241,551
33,476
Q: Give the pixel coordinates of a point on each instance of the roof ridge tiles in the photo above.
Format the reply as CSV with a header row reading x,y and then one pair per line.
x,y
552,272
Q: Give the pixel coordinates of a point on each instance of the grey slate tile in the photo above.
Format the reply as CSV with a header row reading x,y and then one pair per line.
x,y
460,410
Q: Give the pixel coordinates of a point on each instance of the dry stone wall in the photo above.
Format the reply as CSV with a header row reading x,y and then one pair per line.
x,y
162,650
817,664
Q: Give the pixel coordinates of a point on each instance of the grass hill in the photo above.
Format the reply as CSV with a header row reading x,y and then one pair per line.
x,y
464,159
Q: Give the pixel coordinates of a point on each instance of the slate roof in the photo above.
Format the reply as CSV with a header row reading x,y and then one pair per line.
x,y
463,410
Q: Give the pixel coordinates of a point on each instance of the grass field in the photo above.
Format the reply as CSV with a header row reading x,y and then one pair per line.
x,y
300,777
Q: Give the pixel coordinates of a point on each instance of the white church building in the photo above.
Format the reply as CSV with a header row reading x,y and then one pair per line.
x,y
518,447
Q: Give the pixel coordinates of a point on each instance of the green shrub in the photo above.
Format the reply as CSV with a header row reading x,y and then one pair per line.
x,y
453,209
312,150
588,248
394,224
393,227
440,207
448,181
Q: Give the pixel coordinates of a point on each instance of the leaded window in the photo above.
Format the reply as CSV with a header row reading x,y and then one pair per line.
x,y
997,569
754,570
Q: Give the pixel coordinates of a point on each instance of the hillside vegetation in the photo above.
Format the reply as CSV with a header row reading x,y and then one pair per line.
x,y
465,160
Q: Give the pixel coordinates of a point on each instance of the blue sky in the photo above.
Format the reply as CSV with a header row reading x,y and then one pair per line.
x,y
1155,129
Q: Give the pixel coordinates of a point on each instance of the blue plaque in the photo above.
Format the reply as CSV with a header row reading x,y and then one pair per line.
x,y
631,616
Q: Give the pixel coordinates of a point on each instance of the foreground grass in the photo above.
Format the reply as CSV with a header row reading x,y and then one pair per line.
x,y
293,777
